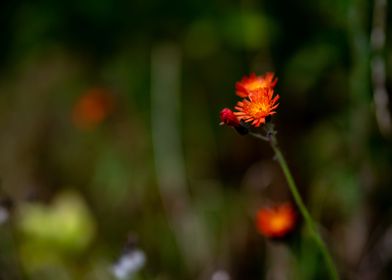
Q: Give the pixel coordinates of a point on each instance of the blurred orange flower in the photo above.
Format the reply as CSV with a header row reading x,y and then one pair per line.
x,y
92,108
255,83
257,106
276,221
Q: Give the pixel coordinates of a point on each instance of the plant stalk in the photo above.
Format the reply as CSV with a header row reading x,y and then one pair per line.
x,y
302,208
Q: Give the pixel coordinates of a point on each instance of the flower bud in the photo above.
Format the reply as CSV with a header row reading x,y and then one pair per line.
x,y
228,118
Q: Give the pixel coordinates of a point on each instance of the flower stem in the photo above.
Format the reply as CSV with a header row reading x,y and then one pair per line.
x,y
304,211
259,136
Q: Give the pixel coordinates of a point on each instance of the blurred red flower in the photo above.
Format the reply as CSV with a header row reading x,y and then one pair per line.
x,y
275,222
92,108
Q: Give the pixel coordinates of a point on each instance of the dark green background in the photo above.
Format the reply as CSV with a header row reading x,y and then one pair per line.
x,y
106,178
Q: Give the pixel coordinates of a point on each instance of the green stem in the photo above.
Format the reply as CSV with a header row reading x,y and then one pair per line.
x,y
259,136
302,208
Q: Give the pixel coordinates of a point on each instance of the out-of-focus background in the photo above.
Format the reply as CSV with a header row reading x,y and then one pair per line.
x,y
113,163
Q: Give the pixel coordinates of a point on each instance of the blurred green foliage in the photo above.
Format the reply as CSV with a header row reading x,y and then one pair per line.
x,y
80,193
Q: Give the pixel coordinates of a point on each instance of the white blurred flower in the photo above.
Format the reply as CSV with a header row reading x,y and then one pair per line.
x,y
220,275
4,215
129,264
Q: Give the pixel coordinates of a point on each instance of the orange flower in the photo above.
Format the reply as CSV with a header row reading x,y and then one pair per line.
x,y
259,102
276,221
92,108
257,106
255,83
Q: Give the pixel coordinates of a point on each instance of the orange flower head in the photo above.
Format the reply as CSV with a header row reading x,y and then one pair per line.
x,y
276,222
228,118
255,83
257,106
92,108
